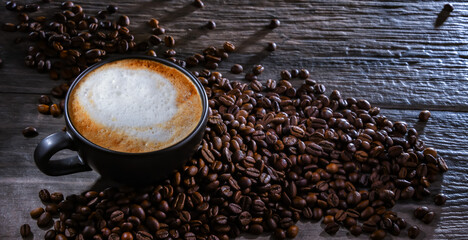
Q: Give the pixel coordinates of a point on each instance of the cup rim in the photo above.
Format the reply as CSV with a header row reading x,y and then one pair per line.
x,y
199,86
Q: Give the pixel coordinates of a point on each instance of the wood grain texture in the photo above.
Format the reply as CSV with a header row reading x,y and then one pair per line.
x,y
388,52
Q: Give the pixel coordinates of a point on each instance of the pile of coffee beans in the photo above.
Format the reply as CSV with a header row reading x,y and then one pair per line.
x,y
270,156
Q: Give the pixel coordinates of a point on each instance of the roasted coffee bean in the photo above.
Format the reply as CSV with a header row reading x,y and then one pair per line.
x,y
271,46
258,69
198,3
25,230
211,25
44,195
237,68
112,9
332,228
158,30
36,213
356,230
30,132
428,217
286,75
420,212
44,220
55,110
413,232
169,41
378,234
440,199
274,23
229,47
424,115
124,21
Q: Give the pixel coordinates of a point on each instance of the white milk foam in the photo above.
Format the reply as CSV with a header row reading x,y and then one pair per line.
x,y
135,102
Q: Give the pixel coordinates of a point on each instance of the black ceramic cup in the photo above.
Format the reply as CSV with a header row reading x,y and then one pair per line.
x,y
129,168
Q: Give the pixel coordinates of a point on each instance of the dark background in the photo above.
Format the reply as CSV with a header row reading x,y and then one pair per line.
x,y
387,52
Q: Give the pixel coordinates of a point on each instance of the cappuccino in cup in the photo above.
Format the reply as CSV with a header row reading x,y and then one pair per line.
x,y
135,106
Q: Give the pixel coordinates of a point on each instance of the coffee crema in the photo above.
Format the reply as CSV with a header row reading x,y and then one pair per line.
x,y
135,106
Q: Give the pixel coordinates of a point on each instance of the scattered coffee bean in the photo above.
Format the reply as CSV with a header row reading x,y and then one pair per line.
x,y
428,217
112,9
229,47
158,30
169,41
378,234
55,110
198,4
152,53
440,199
424,115
237,68
274,23
153,22
258,69
420,212
44,195
271,46
25,230
1,62
413,232
286,75
44,220
30,132
332,228
43,108
124,21
36,213
211,25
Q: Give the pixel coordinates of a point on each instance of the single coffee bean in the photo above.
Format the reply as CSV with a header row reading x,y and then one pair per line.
x,y
378,234
274,23
112,9
424,115
292,231
153,22
440,199
420,212
198,3
428,217
258,69
332,228
55,111
158,30
356,230
44,220
229,47
286,75
211,25
30,132
271,46
124,21
44,195
237,68
36,213
25,230
169,41
413,232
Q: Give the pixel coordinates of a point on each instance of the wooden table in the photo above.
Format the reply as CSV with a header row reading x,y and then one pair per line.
x,y
388,52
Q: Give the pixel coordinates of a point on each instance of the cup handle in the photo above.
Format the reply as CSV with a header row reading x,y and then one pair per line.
x,y
50,146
